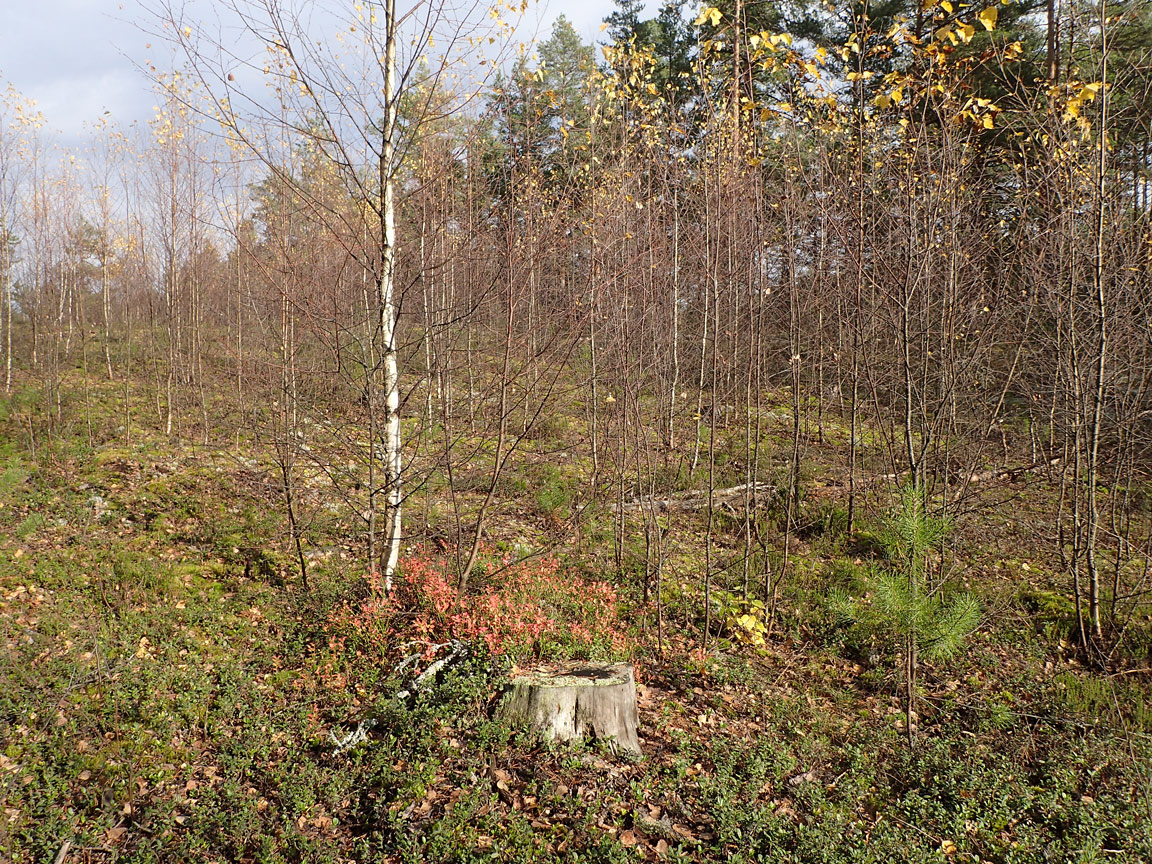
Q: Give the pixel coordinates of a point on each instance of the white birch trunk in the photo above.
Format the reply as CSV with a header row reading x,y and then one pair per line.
x,y
393,462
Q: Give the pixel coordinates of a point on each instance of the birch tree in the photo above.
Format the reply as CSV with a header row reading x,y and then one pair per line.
x,y
337,76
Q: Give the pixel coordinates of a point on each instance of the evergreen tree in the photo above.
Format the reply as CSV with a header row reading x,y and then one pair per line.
x,y
906,607
542,112
625,23
667,39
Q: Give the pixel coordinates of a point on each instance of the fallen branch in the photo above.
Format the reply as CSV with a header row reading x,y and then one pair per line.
x,y
459,652
698,499
1005,473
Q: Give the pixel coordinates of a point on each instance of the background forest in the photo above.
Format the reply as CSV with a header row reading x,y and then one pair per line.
x,y
799,354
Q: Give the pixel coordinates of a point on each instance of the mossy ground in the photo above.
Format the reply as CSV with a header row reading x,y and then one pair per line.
x,y
169,690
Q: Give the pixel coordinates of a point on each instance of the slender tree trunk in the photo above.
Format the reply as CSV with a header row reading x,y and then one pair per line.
x,y
1098,287
387,310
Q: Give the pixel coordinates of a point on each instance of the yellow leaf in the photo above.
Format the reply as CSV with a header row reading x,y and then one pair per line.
x,y
822,54
882,101
966,31
946,6
988,121
988,17
897,94
711,14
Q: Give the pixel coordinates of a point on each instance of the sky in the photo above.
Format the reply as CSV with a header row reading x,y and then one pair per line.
x,y
77,58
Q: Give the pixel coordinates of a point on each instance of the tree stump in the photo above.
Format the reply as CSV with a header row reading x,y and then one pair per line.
x,y
577,700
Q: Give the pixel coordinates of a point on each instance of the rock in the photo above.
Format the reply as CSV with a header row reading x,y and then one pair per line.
x,y
573,701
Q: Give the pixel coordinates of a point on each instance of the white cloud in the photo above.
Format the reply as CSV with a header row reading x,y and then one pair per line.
x,y
77,57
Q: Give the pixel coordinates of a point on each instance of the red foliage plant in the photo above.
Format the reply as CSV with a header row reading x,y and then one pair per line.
x,y
527,608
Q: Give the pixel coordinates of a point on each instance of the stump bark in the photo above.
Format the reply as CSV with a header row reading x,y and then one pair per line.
x,y
575,701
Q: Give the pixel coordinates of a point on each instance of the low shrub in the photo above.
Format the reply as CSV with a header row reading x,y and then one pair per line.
x,y
521,609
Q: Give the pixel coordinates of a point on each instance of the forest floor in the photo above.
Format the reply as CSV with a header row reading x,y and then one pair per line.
x,y
171,691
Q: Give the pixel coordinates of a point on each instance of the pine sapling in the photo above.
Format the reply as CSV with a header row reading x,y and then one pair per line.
x,y
908,606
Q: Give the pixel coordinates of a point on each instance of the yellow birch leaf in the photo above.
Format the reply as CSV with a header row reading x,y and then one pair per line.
x,y
946,6
710,13
988,17
988,121
966,31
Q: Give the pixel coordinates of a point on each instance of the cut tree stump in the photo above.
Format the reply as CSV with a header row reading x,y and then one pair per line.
x,y
577,700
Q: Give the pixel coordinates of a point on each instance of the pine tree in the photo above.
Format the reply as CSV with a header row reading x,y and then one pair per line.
x,y
903,603
541,113
625,22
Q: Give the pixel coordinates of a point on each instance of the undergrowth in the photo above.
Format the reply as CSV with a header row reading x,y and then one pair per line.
x,y
170,691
